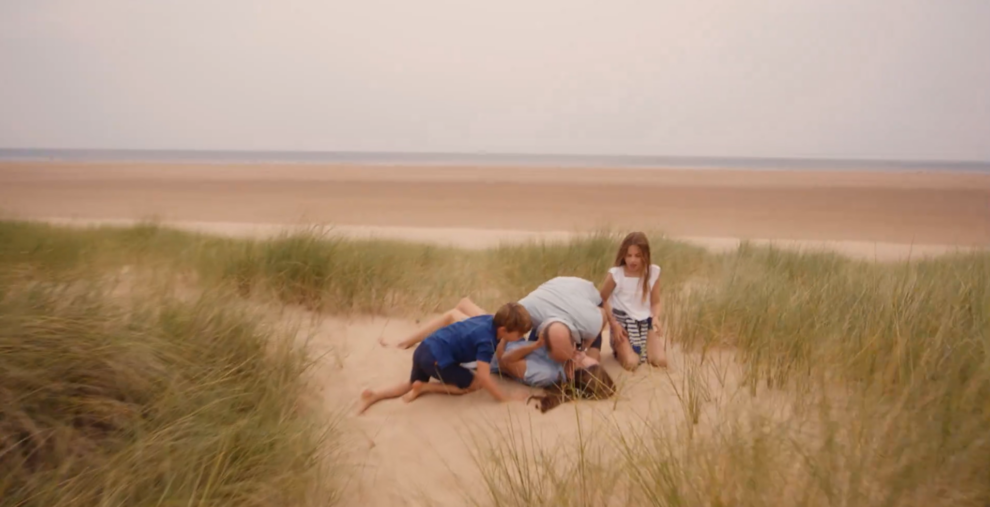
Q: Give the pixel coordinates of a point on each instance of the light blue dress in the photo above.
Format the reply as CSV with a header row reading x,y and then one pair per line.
x,y
541,370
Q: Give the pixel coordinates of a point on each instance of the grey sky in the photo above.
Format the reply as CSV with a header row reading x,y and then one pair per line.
x,y
904,79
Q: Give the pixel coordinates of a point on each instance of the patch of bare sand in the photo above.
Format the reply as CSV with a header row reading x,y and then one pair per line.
x,y
425,452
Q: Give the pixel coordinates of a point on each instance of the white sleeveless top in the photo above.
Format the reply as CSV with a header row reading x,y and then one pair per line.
x,y
628,293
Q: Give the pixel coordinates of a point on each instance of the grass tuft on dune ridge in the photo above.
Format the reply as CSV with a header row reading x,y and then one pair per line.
x,y
150,402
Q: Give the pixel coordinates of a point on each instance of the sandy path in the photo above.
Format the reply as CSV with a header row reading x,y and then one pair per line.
x,y
919,208
423,453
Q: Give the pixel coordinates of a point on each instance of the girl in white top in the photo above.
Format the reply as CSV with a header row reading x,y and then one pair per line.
x,y
632,290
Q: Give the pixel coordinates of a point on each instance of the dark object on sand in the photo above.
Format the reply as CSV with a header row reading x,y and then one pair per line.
x,y
592,383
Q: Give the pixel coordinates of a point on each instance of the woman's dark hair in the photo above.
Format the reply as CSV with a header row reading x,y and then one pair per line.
x,y
592,383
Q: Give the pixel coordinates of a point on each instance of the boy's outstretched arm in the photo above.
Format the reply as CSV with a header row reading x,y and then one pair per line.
x,y
483,375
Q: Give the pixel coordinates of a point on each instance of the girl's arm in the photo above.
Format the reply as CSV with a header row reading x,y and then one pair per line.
x,y
606,292
656,304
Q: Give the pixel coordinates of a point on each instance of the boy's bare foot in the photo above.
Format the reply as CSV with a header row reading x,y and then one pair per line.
x,y
367,399
417,389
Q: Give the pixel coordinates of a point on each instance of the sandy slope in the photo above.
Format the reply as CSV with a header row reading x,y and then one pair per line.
x,y
423,453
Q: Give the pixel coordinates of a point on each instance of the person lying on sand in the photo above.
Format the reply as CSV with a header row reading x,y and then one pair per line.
x,y
569,309
529,362
442,352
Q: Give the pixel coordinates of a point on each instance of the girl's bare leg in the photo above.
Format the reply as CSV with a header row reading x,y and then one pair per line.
x,y
431,327
627,356
655,355
369,397
467,307
419,388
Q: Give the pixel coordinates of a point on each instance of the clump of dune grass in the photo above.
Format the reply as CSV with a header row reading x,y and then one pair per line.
x,y
860,384
316,269
520,467
886,323
110,401
815,448
335,274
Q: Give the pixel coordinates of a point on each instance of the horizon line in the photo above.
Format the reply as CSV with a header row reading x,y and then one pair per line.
x,y
24,154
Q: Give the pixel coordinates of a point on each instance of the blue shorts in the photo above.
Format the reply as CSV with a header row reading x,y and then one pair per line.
x,y
597,344
637,330
425,366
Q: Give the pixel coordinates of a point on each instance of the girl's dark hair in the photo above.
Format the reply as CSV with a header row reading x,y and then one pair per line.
x,y
636,239
592,383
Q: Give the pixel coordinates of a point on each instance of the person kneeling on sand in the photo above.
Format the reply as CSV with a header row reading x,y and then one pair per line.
x,y
445,349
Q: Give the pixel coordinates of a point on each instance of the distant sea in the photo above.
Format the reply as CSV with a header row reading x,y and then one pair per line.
x,y
474,159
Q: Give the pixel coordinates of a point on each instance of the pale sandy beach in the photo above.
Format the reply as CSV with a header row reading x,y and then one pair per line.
x,y
920,208
420,453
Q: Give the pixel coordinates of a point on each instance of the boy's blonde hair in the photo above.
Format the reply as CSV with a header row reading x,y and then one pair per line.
x,y
513,317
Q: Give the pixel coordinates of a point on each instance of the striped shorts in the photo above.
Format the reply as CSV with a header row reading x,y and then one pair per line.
x,y
637,330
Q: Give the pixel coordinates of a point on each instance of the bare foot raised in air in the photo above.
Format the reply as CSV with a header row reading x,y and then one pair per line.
x,y
367,399
401,345
417,389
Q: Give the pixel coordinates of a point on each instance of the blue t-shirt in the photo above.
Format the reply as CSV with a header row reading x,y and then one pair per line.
x,y
469,340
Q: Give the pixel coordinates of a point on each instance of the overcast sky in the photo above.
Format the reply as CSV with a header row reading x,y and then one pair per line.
x,y
902,79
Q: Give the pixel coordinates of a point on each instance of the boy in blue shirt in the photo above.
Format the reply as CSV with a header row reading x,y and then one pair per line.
x,y
441,354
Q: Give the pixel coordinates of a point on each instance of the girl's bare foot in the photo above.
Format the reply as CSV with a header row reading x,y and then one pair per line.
x,y
367,399
417,389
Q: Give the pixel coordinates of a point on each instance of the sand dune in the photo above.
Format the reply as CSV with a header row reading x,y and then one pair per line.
x,y
420,453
